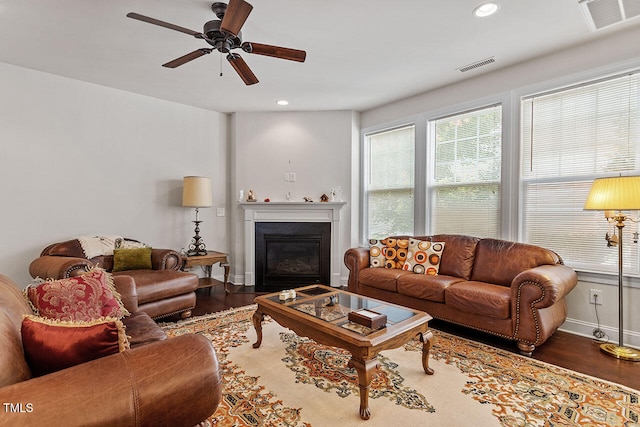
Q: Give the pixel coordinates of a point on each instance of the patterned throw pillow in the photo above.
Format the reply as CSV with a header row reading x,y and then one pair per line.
x,y
51,345
424,257
388,253
86,297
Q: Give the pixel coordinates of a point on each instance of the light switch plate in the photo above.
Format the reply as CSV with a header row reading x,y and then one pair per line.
x,y
220,212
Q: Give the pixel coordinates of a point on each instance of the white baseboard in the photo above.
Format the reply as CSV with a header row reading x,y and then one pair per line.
x,y
579,327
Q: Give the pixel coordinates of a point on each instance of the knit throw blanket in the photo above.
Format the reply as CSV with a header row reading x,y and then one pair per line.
x,y
94,246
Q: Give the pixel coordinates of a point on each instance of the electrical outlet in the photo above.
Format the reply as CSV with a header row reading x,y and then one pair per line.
x,y
595,296
220,211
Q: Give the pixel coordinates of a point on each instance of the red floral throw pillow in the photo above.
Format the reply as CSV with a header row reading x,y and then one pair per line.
x,y
52,345
86,297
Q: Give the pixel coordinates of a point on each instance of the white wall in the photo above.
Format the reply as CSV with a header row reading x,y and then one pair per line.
x,y
79,158
616,51
316,146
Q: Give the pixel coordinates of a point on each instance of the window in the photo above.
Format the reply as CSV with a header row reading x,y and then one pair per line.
x,y
571,136
389,189
465,195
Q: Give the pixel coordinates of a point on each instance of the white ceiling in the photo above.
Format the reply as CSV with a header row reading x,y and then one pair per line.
x,y
360,53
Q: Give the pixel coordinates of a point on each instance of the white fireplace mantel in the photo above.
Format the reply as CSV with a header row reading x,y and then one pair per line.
x,y
290,212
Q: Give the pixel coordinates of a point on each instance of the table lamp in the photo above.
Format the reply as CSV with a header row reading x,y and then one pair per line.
x,y
196,193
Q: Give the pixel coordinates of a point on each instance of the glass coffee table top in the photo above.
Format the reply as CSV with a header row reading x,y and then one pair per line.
x,y
334,306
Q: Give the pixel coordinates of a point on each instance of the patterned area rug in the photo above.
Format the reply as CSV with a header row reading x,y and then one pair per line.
x,y
294,382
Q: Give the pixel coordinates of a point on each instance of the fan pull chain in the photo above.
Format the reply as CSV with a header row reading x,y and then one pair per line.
x,y
220,65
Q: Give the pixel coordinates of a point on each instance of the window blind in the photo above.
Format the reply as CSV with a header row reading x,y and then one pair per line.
x,y
390,182
570,137
465,195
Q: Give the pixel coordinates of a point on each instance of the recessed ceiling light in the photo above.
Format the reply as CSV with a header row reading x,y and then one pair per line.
x,y
486,9
282,102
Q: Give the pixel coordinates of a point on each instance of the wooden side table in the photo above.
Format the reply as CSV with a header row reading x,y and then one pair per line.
x,y
208,261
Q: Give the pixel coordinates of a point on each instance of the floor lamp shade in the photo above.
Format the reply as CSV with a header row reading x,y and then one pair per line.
x,y
621,193
614,195
197,192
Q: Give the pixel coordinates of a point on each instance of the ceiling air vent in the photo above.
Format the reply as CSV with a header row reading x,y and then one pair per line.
x,y
602,13
478,64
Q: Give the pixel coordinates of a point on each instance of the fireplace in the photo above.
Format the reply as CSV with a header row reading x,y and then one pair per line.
x,y
292,254
292,212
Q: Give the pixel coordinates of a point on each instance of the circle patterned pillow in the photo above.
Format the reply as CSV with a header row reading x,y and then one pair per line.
x,y
424,257
388,253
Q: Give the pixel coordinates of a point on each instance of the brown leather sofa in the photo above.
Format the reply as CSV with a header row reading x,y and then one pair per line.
x,y
162,291
509,289
158,382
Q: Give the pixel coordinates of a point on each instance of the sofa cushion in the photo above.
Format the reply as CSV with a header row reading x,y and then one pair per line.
x,y
382,278
86,297
390,252
423,257
132,259
499,261
52,345
458,259
426,287
480,298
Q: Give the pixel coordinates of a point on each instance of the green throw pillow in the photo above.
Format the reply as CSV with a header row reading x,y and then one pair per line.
x,y
132,259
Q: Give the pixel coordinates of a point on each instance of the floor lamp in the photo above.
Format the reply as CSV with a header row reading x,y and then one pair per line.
x,y
614,195
196,193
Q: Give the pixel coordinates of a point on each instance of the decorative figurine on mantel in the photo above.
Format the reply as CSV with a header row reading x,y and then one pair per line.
x,y
308,199
250,196
324,198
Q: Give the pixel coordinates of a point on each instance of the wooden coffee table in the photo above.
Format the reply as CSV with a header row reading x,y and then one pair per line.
x,y
321,313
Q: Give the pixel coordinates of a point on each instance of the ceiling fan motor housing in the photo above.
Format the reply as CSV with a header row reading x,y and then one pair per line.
x,y
218,39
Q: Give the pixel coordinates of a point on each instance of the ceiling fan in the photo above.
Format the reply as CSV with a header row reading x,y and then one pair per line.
x,y
224,35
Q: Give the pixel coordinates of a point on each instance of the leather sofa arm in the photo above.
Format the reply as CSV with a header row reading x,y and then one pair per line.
x,y
126,287
537,303
542,286
355,259
175,382
58,267
166,259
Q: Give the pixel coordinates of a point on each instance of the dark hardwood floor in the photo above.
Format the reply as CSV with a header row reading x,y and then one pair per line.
x,y
580,354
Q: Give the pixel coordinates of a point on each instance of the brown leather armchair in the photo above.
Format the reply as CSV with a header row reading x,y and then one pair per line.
x,y
170,382
163,291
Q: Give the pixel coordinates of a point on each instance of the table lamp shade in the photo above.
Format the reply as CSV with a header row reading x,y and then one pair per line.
x,y
621,193
196,192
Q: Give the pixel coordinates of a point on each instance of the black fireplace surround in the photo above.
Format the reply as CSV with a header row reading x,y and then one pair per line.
x,y
292,254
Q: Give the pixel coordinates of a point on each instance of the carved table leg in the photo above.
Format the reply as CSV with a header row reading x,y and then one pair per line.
x,y
365,374
225,265
426,340
258,317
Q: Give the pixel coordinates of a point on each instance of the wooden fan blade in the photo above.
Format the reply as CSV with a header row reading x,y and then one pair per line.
x,y
235,16
242,69
275,51
186,58
164,24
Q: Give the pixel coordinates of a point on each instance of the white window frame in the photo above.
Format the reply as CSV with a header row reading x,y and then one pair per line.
x,y
517,96
364,231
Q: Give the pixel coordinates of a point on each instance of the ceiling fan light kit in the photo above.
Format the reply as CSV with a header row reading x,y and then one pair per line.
x,y
224,35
